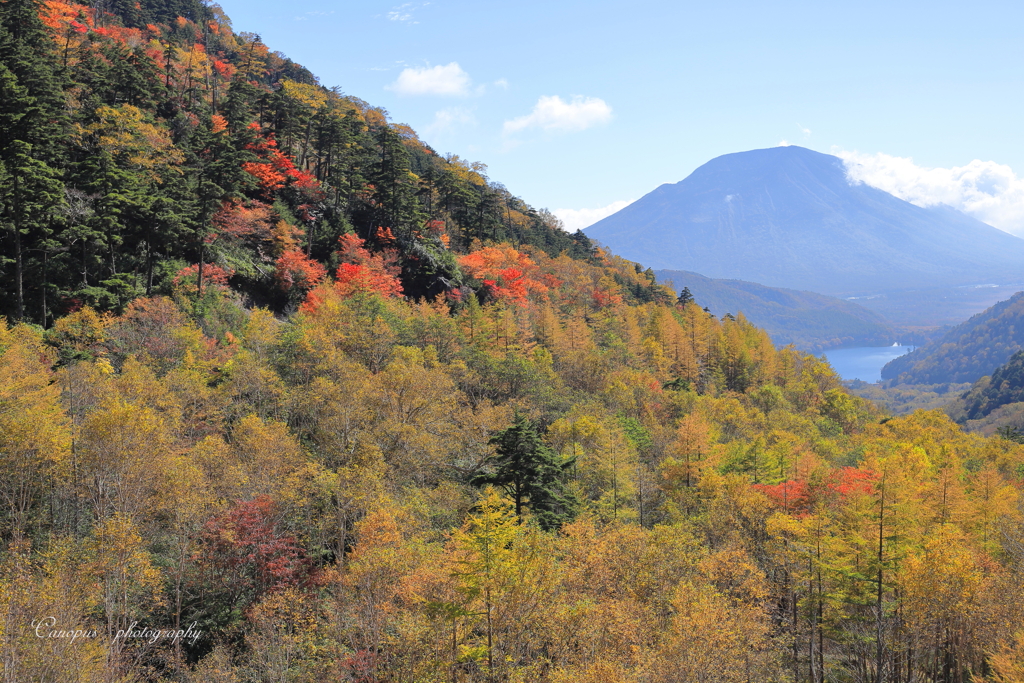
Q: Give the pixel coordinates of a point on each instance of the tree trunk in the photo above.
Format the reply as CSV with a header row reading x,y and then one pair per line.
x,y
878,601
18,274
199,277
149,269
490,660
18,267
45,277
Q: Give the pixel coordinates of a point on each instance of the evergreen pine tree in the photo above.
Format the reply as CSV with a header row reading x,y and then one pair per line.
x,y
29,194
36,113
31,125
532,474
394,188
685,297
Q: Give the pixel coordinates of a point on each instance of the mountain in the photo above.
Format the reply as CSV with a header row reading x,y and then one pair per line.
x,y
811,322
994,400
935,307
967,352
789,217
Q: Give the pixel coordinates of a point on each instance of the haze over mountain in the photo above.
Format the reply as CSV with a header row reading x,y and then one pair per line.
x,y
789,217
809,321
967,352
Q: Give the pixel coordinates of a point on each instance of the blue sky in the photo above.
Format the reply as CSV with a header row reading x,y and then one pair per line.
x,y
578,106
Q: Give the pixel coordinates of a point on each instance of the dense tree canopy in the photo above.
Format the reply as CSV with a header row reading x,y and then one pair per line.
x,y
143,139
275,372
531,473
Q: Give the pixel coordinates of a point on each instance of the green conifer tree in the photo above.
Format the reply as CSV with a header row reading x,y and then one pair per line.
x,y
532,474
31,125
394,187
29,195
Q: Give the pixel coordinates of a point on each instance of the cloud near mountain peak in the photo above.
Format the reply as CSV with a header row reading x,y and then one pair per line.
x,y
986,190
577,219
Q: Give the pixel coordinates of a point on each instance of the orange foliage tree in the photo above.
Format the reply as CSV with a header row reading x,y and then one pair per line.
x,y
295,270
275,170
507,274
363,271
360,271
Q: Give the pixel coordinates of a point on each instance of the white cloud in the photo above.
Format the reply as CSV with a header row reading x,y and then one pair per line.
x,y
449,79
501,83
986,190
551,113
805,130
577,219
784,143
404,13
448,119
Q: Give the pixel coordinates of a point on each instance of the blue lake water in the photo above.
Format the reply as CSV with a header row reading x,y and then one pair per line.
x,y
864,363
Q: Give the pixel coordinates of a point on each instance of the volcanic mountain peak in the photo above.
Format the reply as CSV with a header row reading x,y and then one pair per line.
x,y
790,217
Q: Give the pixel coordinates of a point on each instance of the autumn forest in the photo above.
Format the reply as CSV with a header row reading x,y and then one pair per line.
x,y
278,378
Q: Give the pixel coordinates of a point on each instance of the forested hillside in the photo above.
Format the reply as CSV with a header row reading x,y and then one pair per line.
x,y
1004,386
337,496
995,403
277,376
155,145
967,352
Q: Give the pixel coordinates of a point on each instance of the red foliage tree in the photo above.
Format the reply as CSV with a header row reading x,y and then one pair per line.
x,y
791,496
275,169
252,219
360,271
365,271
352,278
852,481
213,276
506,274
64,16
799,496
245,555
295,270
603,298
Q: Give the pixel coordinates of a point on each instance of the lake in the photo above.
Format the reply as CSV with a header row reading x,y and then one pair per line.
x,y
865,362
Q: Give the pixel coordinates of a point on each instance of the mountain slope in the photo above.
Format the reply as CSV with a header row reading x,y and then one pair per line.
x,y
1004,387
163,150
788,217
810,321
969,351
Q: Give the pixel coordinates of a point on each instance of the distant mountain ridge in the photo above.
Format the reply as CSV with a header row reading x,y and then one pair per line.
x,y
967,352
809,321
789,217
